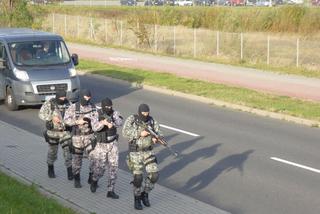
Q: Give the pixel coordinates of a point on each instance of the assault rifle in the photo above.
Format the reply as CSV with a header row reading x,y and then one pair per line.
x,y
160,139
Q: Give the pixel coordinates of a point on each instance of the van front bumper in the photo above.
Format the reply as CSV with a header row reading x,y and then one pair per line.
x,y
27,94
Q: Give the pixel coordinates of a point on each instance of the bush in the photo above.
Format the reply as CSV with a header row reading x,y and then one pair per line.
x,y
15,13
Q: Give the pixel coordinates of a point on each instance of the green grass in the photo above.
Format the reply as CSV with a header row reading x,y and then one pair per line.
x,y
235,95
285,19
16,198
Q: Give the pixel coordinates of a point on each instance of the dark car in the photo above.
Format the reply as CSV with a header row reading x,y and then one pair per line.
x,y
128,2
204,2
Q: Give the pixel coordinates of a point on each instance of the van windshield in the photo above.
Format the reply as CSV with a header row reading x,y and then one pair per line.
x,y
39,53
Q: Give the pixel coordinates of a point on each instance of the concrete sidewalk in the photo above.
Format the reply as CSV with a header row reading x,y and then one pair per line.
x,y
23,155
285,85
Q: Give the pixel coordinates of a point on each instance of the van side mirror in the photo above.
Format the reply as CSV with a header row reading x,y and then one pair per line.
x,y
75,59
3,64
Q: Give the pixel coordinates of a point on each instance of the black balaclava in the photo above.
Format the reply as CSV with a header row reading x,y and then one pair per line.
x,y
85,92
107,102
59,94
143,108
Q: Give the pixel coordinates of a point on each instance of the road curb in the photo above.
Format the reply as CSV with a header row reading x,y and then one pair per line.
x,y
210,101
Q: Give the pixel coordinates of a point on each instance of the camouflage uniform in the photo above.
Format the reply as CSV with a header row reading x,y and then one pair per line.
x,y
57,133
141,156
82,135
106,151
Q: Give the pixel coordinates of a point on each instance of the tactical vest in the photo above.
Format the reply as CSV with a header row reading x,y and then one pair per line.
x,y
75,129
133,147
106,135
62,109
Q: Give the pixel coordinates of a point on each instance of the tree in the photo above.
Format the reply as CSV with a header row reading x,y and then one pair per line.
x,y
15,13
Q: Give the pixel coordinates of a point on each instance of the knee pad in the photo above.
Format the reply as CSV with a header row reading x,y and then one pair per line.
x,y
137,180
153,176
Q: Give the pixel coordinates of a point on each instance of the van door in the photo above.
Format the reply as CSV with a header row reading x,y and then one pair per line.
x,y
3,70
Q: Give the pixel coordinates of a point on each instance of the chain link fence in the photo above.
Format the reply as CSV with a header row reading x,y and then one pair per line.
x,y
253,48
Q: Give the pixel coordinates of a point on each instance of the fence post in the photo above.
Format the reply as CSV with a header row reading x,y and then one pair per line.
x,y
53,23
155,38
90,29
194,42
121,33
218,42
241,46
268,50
106,29
65,25
174,40
137,42
298,44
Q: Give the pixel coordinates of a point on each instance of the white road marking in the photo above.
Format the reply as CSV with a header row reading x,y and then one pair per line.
x,y
296,164
179,130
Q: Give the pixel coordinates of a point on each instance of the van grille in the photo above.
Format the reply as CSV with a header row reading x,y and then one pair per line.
x,y
52,87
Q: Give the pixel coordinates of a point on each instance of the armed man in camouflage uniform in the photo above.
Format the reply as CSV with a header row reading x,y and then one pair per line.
x,y
106,151
140,155
52,111
83,117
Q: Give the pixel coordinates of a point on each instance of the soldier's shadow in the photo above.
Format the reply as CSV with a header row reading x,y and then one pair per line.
x,y
185,159
227,164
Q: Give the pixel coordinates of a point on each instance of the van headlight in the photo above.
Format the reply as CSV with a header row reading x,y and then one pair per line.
x,y
72,72
21,75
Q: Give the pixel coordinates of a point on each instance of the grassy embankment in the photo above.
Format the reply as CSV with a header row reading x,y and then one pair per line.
x,y
284,23
250,98
19,198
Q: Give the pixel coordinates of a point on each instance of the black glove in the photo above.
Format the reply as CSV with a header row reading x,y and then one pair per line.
x,y
49,125
87,120
101,118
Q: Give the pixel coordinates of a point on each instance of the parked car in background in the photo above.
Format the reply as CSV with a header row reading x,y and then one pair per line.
x,y
183,2
315,2
154,3
128,2
263,3
223,2
204,2
238,2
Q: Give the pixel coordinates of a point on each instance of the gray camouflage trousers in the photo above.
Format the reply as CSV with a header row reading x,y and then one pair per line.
x,y
105,155
80,145
63,138
137,162
53,153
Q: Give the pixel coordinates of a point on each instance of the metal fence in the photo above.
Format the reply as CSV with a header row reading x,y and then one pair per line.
x,y
253,48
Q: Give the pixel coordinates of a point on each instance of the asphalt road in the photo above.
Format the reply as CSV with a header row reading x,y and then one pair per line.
x,y
229,163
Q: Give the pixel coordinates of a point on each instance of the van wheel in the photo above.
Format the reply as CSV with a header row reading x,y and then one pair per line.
x,y
11,101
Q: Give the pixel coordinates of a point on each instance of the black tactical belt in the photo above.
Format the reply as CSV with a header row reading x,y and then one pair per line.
x,y
137,149
110,139
86,133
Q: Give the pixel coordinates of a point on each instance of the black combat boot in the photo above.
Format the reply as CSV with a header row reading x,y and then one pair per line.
x,y
70,175
77,183
145,199
112,194
90,178
137,203
93,186
51,171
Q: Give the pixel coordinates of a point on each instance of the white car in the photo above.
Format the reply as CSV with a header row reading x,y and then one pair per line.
x,y
183,2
